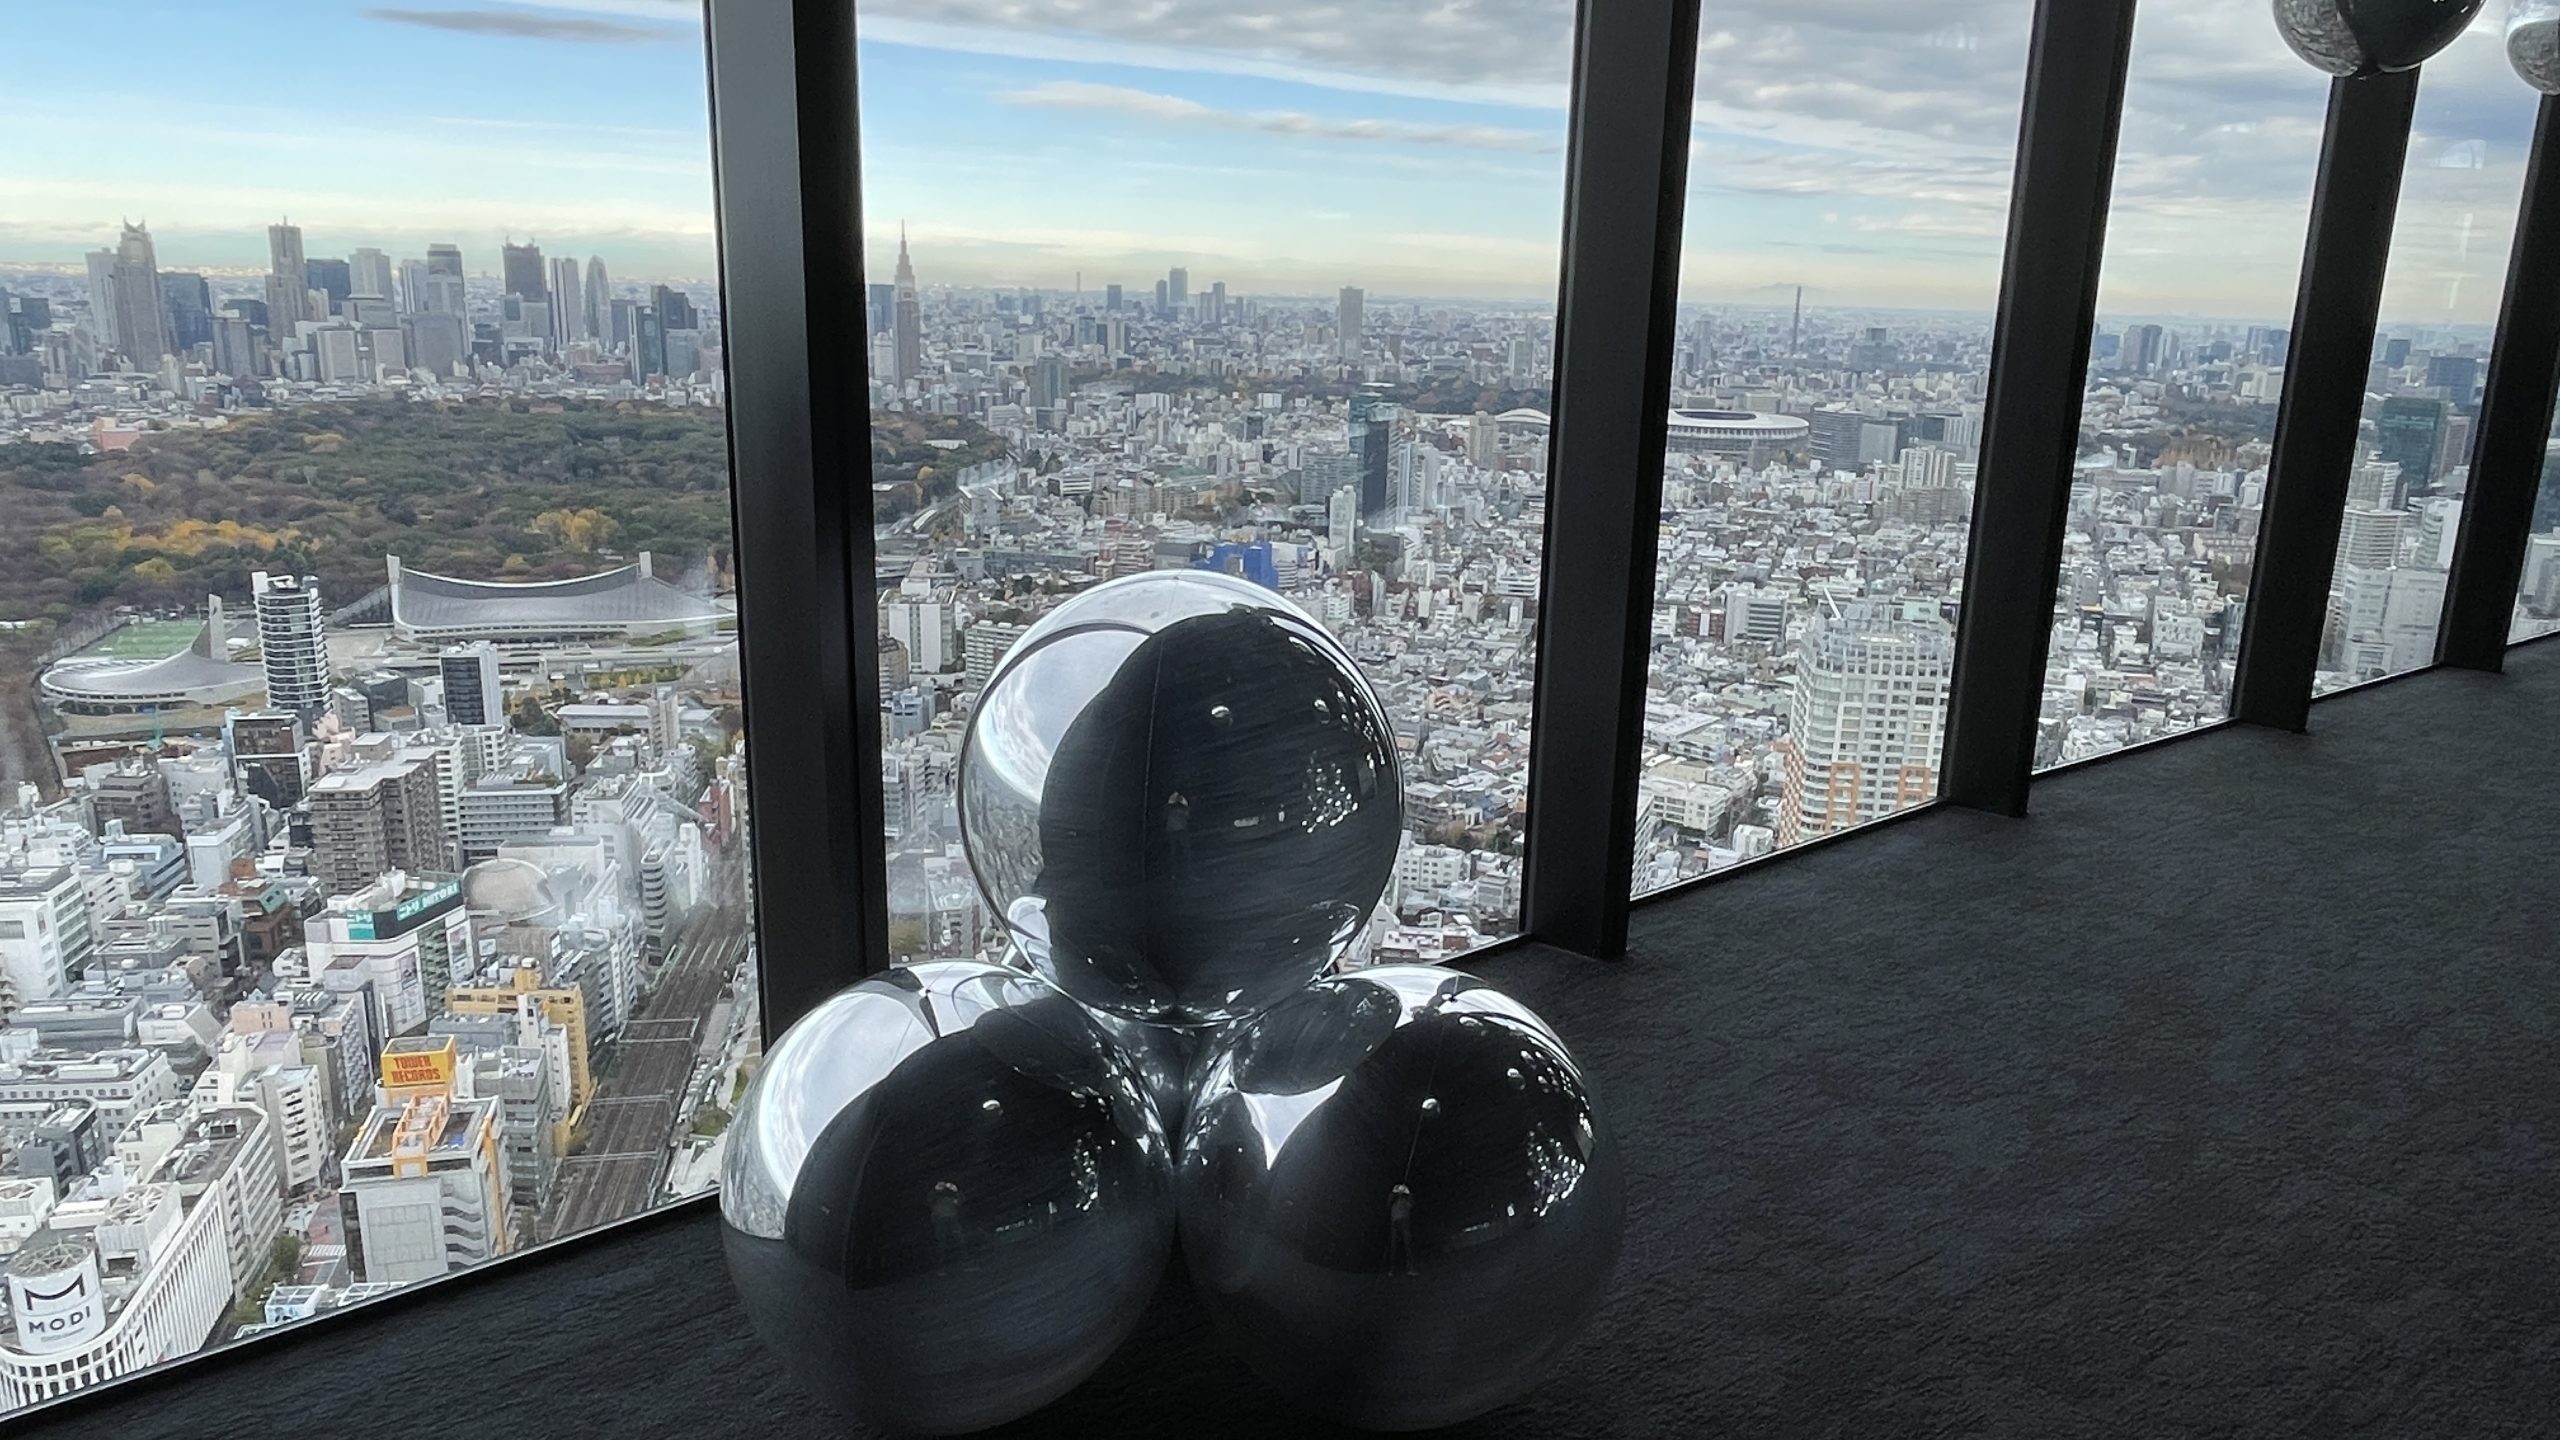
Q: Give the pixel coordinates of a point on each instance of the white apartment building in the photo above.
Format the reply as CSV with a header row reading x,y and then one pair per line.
x,y
1867,719
45,935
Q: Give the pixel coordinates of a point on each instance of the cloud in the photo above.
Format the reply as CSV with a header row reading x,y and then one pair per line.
x,y
519,26
1174,109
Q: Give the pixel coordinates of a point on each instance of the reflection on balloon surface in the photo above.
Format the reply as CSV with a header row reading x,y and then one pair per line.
x,y
945,1198
1397,1198
2371,37
1182,796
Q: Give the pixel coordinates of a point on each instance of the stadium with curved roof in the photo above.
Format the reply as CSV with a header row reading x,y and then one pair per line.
x,y
1737,432
620,604
203,674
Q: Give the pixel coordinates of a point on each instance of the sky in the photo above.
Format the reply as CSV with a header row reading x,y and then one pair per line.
x,y
1858,148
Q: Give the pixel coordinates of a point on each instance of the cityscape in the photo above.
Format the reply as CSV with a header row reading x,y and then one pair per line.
x,y
359,921
374,886
388,923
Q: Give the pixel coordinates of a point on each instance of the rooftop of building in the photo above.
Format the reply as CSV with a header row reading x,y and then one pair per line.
x,y
627,596
372,1147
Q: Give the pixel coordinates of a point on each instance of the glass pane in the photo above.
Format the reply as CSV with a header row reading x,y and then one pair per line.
x,y
1267,294
1840,263
2439,311
361,918
2204,249
2538,604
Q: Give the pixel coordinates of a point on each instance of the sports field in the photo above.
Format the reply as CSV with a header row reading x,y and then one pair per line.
x,y
146,640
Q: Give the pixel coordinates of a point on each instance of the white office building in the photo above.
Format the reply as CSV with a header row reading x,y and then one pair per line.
x,y
122,1275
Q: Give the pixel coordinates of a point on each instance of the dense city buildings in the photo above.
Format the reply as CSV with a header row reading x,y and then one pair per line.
x,y
1383,464
341,881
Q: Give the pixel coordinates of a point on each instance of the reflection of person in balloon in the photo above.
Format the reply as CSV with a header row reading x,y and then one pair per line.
x,y
1177,828
1400,1230
1178,843
950,1241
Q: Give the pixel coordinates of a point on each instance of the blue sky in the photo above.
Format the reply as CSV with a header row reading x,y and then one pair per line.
x,y
1860,148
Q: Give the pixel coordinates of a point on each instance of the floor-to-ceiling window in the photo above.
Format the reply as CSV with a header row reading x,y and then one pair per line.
x,y
373,882
2219,147
1848,191
2449,250
1268,291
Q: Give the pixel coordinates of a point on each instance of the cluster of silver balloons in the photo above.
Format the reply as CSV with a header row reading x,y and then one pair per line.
x,y
951,1190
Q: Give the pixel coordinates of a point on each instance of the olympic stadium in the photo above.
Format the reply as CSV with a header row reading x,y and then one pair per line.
x,y
1737,432
626,603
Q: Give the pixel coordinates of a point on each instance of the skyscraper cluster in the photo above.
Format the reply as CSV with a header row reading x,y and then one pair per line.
x,y
367,318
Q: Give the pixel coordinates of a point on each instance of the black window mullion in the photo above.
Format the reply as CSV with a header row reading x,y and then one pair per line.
x,y
2076,66
786,164
2336,309
1626,173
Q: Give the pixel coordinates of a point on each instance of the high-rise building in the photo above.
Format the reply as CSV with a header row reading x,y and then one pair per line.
x,y
880,307
927,623
1348,320
188,301
2411,436
2457,375
985,645
330,282
142,317
474,693
2370,536
568,307
521,267
1867,718
288,279
102,297
266,754
1110,297
1372,440
443,283
1048,381
369,273
597,299
2144,346
674,307
375,818
907,324
648,342
1177,290
293,641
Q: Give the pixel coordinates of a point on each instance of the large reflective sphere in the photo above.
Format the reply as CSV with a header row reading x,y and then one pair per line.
x,y
2371,37
1397,1199
2533,43
1181,795
945,1200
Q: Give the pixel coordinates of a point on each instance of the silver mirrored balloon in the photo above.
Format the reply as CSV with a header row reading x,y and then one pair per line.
x,y
1182,796
2371,37
2533,43
945,1200
1398,1201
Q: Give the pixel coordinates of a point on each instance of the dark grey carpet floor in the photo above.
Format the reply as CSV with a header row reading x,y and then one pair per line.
x,y
2217,1098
